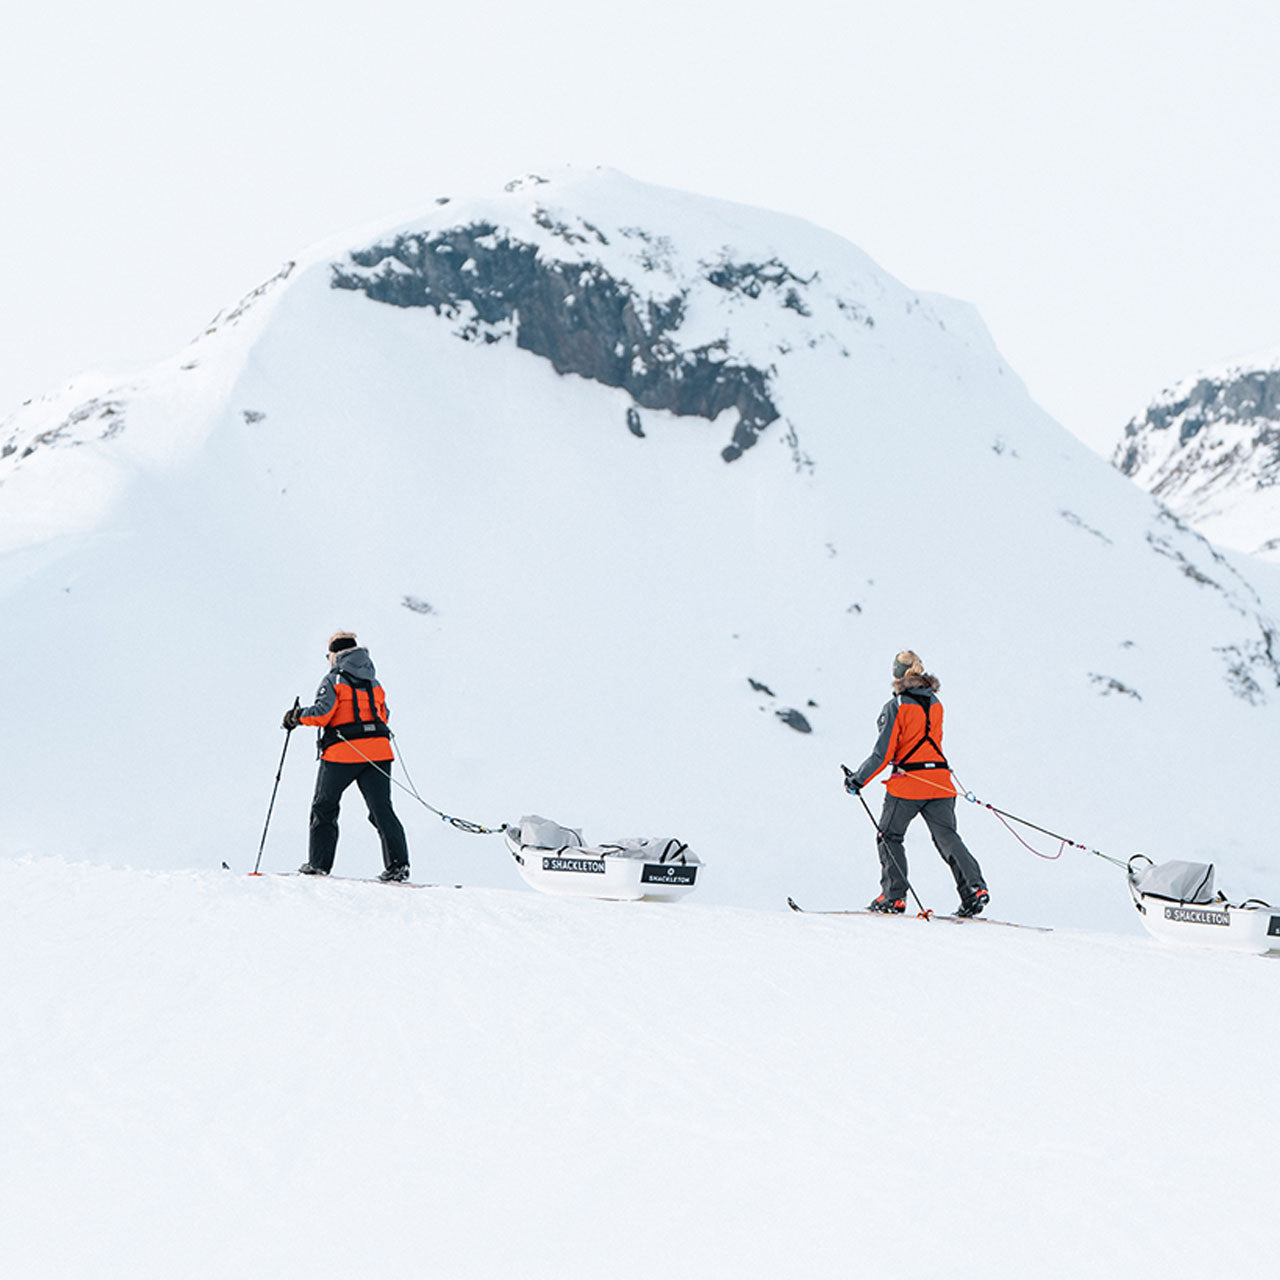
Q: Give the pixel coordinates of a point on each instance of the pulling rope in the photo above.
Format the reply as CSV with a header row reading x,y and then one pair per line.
x,y
1065,842
1030,848
472,828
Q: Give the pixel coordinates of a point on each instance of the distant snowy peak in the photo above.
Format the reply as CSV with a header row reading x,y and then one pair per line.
x,y
688,306
691,305
1209,448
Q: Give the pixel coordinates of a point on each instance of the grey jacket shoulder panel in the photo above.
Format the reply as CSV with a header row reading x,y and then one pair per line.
x,y
879,753
326,696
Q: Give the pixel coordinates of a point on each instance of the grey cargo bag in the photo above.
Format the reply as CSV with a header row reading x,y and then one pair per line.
x,y
1177,881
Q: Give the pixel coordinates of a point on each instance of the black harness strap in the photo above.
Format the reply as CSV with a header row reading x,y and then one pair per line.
x,y
904,763
358,729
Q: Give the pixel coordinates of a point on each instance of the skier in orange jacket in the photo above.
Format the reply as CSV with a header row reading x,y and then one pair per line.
x,y
355,746
910,740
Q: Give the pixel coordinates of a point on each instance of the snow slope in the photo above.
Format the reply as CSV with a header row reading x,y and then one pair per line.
x,y
210,1075
579,607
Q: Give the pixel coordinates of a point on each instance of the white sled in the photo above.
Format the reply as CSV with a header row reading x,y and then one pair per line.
x,y
1178,904
554,859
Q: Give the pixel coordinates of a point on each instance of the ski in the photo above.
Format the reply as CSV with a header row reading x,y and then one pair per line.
x,y
399,884
907,915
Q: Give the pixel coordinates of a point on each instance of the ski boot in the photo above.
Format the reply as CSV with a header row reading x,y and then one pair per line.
x,y
310,869
973,903
395,875
887,906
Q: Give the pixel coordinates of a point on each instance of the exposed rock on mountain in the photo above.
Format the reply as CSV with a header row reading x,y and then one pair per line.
x,y
578,316
1210,449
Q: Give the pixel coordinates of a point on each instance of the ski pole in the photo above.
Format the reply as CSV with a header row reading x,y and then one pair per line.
x,y
262,844
923,912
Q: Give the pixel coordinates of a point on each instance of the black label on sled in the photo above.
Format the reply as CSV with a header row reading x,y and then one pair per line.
x,y
671,873
593,866
1273,929
1189,915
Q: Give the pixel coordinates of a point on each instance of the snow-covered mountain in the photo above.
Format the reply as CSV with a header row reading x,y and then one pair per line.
x,y
633,496
1209,448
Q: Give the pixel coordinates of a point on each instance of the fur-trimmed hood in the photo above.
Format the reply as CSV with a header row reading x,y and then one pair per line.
x,y
924,681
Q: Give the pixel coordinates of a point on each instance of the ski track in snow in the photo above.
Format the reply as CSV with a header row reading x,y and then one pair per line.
x,y
211,1075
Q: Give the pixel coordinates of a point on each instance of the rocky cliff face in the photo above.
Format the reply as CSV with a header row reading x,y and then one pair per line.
x,y
578,316
1210,449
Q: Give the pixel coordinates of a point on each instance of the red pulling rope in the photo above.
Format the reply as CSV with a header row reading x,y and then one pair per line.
x,y
1048,857
1001,815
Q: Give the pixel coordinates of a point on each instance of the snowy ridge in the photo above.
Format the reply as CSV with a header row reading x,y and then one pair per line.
x,y
87,441
1210,448
215,1075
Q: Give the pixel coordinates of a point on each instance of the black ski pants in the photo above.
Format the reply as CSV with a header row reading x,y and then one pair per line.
x,y
374,781
939,814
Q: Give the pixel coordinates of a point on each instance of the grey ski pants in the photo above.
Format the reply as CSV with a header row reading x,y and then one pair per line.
x,y
940,817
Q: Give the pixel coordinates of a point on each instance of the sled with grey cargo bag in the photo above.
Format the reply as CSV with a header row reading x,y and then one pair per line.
x,y
554,859
1178,903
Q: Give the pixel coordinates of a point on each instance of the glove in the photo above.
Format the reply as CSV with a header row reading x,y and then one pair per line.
x,y
851,785
292,717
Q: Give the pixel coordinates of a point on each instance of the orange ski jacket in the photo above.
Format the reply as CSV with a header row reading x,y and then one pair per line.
x,y
351,712
910,741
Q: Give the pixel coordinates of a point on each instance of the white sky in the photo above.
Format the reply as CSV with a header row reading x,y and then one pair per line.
x,y
1099,178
